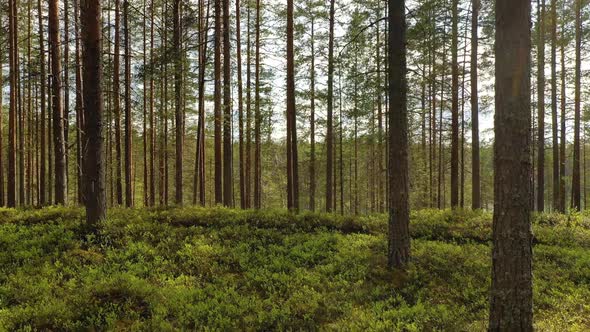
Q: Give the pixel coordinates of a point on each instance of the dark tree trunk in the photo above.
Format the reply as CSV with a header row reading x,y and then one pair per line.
x,y
257,118
227,114
240,109
43,94
576,184
312,159
475,163
292,162
562,148
128,128
217,101
152,171
94,162
541,108
117,106
455,110
177,102
58,112
79,109
329,125
511,307
554,124
399,212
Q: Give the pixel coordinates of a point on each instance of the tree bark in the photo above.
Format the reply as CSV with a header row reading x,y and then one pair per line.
x,y
554,124
257,118
94,162
227,112
511,307
541,108
177,103
58,112
292,161
240,109
43,94
455,110
329,116
576,184
128,128
399,212
117,104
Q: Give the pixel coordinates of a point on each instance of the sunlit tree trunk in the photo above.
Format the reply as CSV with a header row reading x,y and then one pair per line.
x,y
511,306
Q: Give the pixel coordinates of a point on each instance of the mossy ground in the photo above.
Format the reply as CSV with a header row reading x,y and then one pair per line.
x,y
220,269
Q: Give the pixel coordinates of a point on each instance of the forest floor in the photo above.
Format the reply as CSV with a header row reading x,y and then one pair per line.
x,y
223,269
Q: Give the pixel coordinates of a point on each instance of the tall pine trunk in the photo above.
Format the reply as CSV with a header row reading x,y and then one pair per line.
x,y
455,109
541,107
58,111
227,114
511,306
329,121
399,213
94,161
554,124
576,184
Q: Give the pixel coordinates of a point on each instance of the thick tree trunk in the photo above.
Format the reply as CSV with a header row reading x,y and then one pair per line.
x,y
94,162
399,212
511,307
58,112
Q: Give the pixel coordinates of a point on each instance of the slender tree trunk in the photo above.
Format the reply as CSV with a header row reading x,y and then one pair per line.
x,y
152,136
128,129
177,102
240,109
292,162
511,306
217,101
257,118
66,83
562,148
79,110
330,129
399,213
146,201
117,102
227,115
43,94
541,108
475,156
58,112
312,159
576,197
248,171
554,124
2,199
455,110
94,162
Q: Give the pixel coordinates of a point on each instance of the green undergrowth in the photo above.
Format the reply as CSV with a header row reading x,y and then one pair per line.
x,y
222,269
